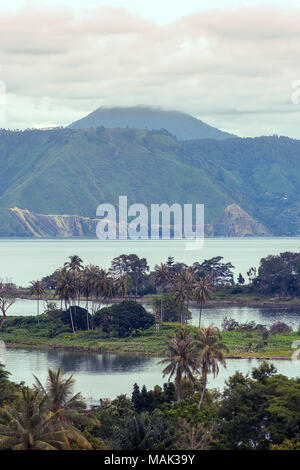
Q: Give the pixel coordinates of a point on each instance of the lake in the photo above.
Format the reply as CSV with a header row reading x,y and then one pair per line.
x,y
108,375
24,260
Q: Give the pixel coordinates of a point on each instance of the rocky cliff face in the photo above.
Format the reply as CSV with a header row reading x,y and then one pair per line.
x,y
235,222
44,226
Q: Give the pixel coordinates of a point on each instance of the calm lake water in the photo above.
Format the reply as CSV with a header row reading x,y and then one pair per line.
x,y
108,375
24,260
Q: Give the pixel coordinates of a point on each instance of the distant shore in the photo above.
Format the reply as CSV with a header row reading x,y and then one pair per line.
x,y
248,301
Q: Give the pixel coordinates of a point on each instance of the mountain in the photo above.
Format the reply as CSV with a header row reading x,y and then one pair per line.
x,y
235,222
60,176
181,125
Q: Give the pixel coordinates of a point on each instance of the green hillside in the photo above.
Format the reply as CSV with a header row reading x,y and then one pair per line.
x,y
262,175
69,171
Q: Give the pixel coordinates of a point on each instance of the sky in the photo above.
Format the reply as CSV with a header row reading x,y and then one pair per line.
x,y
235,64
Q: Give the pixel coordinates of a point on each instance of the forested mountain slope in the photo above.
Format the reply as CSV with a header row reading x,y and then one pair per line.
x,y
70,172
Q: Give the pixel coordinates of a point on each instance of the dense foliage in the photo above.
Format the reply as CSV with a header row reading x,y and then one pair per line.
x,y
279,274
123,319
260,175
170,308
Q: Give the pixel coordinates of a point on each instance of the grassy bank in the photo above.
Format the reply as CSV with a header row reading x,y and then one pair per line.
x,y
241,344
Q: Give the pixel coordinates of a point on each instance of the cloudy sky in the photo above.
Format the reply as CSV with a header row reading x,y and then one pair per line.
x,y
230,63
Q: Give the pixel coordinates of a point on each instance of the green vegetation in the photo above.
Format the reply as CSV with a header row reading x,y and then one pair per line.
x,y
123,320
279,275
42,168
24,331
168,308
126,326
45,418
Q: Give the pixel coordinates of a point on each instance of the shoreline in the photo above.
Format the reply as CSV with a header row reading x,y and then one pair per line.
x,y
101,350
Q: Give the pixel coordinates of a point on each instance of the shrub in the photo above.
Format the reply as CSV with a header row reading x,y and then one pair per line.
x,y
79,315
229,324
280,327
237,290
248,326
103,319
124,319
55,328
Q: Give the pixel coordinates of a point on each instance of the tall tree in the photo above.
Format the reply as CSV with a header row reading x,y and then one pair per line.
x,y
180,358
209,348
161,276
7,299
202,291
66,289
31,426
216,270
59,398
129,265
182,290
37,288
74,263
124,285
138,267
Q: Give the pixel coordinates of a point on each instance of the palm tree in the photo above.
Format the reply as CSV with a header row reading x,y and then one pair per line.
x,y
37,288
109,288
86,285
188,276
161,276
107,285
209,347
181,288
76,267
89,284
75,263
66,288
100,287
58,391
123,285
58,394
139,431
86,290
202,291
31,426
181,358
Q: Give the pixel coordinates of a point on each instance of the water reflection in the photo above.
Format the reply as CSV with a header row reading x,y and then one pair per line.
x,y
263,315
71,361
108,375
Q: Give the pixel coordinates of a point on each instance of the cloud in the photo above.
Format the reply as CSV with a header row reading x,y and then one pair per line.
x,y
231,68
